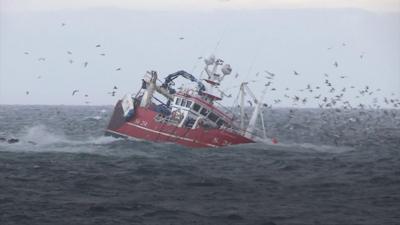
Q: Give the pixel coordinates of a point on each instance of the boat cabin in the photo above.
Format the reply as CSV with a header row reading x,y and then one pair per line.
x,y
191,112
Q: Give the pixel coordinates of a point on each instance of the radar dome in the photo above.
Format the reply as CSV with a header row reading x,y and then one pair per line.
x,y
210,60
226,69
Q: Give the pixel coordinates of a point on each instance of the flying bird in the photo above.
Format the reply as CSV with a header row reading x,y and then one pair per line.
x,y
42,59
115,88
118,69
103,54
74,92
98,46
85,64
295,72
69,52
27,92
181,38
336,64
269,73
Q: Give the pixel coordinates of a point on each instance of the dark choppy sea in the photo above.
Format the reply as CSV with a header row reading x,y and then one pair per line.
x,y
328,168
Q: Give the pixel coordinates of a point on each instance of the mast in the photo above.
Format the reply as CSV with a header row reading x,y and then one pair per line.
x,y
150,88
242,93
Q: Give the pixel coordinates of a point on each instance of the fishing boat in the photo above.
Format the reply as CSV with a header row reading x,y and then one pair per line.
x,y
191,115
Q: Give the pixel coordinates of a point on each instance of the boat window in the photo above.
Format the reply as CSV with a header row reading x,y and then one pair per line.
x,y
178,101
183,102
212,117
196,107
188,104
220,122
204,112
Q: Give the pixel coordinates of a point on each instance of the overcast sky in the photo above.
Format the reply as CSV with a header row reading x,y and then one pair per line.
x,y
195,5
253,36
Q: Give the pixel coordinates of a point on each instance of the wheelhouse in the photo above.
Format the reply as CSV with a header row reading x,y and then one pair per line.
x,y
195,113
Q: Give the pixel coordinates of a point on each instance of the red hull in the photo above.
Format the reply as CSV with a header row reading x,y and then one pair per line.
x,y
144,126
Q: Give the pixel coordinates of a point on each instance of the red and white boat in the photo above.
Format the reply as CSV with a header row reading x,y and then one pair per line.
x,y
191,116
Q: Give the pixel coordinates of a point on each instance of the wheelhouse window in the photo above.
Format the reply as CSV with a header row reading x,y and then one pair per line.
x,y
177,101
188,104
220,122
213,117
204,112
183,103
196,107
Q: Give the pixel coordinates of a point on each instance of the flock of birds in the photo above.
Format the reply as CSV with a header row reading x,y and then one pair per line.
x,y
85,64
327,95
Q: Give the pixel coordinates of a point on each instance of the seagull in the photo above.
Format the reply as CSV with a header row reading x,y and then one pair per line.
x,y
115,88
344,44
69,52
26,53
42,59
236,75
86,95
98,46
267,84
269,73
343,77
63,24
103,54
181,38
85,64
118,69
71,61
39,77
295,72
336,64
200,57
27,92
112,93
74,92
251,104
